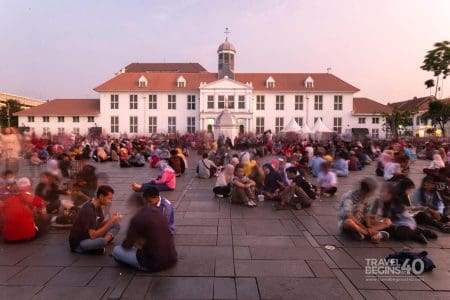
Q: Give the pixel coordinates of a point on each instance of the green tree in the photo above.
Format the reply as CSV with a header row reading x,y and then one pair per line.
x,y
437,61
397,119
439,114
6,113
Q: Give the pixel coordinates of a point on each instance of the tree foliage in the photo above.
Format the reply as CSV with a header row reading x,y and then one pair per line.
x,y
439,114
397,119
9,108
437,61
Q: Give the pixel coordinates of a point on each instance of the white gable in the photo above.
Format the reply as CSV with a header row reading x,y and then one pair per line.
x,y
181,79
270,82
226,83
142,81
309,82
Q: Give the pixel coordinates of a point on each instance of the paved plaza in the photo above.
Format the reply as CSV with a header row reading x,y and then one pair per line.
x,y
225,252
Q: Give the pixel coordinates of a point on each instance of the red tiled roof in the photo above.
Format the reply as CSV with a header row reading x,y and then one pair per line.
x,y
364,106
64,107
283,82
165,67
420,104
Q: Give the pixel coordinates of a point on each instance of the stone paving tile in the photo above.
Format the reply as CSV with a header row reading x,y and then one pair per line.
x,y
361,254
196,230
181,288
342,259
18,292
34,276
195,222
137,289
51,256
187,266
68,293
247,288
7,272
224,240
420,295
268,241
275,253
95,260
11,254
241,252
224,267
197,240
328,240
264,268
361,281
74,276
268,227
320,268
300,288
112,277
224,288
438,279
376,294
409,285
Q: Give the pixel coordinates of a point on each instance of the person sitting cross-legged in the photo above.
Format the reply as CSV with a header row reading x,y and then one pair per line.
x,y
149,244
299,194
242,188
152,197
90,233
326,181
354,213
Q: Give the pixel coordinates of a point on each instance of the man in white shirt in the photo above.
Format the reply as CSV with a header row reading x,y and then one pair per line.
x,y
326,181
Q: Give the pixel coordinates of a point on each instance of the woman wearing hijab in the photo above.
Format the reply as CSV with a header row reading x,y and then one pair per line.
x,y
272,181
165,182
435,165
223,182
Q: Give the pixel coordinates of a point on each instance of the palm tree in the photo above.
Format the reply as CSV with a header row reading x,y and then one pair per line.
x,y
429,84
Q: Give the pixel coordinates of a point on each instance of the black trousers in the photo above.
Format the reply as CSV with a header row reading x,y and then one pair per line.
x,y
222,190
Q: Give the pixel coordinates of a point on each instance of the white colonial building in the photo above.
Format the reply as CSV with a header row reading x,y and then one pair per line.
x,y
146,98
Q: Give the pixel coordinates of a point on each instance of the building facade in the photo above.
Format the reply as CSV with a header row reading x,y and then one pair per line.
x,y
147,98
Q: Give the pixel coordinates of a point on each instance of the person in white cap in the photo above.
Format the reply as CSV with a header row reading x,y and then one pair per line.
x,y
24,214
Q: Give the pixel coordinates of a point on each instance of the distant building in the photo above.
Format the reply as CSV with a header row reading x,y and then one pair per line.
x,y
60,116
25,102
146,98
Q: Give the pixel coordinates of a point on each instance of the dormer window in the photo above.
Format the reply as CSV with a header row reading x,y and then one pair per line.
x,y
142,81
181,82
270,83
309,83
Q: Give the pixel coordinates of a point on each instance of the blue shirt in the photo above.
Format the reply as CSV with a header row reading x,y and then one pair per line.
x,y
316,162
167,210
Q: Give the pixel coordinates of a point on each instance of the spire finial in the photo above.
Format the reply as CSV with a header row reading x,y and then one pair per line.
x,y
227,32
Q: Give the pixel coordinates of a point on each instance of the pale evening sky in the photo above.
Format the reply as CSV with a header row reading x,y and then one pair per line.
x,y
63,49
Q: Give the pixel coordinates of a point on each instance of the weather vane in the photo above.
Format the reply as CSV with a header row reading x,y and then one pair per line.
x,y
226,33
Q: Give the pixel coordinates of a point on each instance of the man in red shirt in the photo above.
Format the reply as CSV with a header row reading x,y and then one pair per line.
x,y
22,214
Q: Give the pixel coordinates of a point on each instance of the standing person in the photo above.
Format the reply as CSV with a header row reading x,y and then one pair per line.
x,y
326,181
24,214
204,167
149,244
90,232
